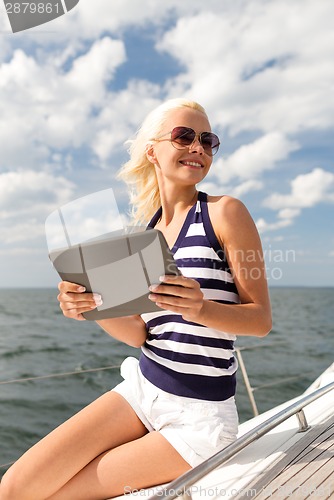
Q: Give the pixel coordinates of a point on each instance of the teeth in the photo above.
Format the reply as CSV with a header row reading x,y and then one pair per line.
x,y
192,164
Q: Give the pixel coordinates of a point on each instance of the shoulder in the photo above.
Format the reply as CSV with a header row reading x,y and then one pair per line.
x,y
227,208
227,215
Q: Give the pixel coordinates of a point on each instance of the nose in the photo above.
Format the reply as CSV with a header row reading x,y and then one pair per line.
x,y
196,146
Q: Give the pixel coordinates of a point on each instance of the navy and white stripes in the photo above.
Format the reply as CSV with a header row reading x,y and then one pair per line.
x,y
184,358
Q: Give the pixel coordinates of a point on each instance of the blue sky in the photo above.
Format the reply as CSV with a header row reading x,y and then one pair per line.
x,y
74,90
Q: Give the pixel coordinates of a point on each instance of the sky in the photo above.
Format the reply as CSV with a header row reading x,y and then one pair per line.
x,y
74,90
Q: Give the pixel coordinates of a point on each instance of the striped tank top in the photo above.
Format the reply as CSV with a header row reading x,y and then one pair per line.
x,y
185,358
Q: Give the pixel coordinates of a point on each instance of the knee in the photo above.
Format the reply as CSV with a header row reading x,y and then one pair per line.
x,y
7,487
11,487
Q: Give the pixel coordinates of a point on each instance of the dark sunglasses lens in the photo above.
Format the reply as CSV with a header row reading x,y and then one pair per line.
x,y
183,136
210,142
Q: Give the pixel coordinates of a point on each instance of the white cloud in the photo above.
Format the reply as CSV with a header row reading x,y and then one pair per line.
x,y
92,70
4,32
250,160
26,232
22,251
249,77
246,187
26,198
257,66
288,213
43,108
237,191
258,69
121,115
89,19
307,190
285,218
264,226
246,165
20,190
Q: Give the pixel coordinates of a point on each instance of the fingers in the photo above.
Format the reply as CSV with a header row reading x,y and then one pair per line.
x,y
66,286
176,285
180,280
74,301
181,295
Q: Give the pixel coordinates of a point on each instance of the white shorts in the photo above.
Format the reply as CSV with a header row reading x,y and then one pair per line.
x,y
196,429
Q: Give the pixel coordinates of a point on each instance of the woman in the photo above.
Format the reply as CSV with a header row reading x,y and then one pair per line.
x,y
177,407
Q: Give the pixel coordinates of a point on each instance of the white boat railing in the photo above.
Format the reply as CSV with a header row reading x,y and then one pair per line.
x,y
250,389
181,487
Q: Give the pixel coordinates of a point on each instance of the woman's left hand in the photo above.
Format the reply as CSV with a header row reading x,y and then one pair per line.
x,y
180,295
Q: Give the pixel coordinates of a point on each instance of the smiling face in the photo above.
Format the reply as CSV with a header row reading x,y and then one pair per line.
x,y
184,166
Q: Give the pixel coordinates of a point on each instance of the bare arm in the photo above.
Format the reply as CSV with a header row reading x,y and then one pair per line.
x,y
237,232
129,329
73,302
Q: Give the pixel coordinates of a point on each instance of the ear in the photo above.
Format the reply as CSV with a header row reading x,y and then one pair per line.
x,y
150,153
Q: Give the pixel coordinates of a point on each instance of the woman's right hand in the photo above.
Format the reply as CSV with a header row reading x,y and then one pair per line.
x,y
73,300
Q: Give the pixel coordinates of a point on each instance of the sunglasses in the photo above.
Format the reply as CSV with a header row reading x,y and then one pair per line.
x,y
183,137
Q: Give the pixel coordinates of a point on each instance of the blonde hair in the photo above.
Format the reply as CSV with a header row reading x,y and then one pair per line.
x,y
139,172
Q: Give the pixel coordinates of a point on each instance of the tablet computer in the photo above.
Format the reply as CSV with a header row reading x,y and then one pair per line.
x,y
120,268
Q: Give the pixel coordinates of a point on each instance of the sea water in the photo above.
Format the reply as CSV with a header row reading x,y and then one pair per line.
x,y
37,341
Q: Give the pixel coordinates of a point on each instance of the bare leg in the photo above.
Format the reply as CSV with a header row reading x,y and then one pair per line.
x,y
145,462
44,469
